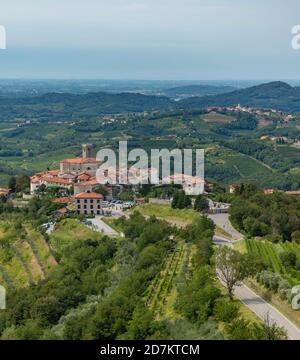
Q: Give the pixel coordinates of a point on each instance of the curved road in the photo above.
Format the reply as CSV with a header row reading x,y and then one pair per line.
x,y
259,306
222,221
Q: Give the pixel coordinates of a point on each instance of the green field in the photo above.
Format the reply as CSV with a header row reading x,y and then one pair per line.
x,y
214,117
69,231
166,212
289,152
233,167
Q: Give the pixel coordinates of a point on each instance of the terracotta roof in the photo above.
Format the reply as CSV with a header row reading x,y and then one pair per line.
x,y
88,195
63,200
92,181
79,160
84,176
35,179
62,211
51,172
55,180
4,191
44,175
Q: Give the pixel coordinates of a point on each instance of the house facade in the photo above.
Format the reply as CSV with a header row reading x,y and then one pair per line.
x,y
88,203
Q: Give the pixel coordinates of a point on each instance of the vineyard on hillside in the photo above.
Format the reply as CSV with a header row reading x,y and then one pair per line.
x,y
25,256
270,254
160,294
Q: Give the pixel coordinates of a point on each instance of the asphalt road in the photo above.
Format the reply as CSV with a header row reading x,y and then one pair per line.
x,y
259,306
222,220
101,226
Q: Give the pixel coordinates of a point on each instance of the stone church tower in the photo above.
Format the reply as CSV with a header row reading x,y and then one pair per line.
x,y
87,150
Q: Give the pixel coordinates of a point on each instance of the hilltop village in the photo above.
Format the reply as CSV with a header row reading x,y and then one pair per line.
x,y
77,179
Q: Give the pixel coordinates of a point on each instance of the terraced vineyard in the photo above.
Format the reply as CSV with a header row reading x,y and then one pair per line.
x,y
160,294
25,257
269,252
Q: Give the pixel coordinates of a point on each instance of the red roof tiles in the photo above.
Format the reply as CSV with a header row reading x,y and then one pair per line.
x,y
80,160
88,195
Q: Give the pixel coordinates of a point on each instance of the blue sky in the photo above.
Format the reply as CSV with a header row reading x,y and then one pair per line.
x,y
150,39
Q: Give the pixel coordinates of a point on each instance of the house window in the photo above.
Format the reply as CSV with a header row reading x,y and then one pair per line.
x,y
78,207
98,201
92,206
99,207
85,201
98,212
92,201
84,206
85,212
78,201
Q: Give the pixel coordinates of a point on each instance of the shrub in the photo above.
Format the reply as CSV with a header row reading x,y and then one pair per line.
x,y
239,329
226,311
284,289
288,258
267,296
269,280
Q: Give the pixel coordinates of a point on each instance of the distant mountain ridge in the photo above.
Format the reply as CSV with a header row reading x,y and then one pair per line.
x,y
276,95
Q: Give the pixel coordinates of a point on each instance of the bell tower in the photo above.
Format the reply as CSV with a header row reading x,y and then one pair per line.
x,y
87,150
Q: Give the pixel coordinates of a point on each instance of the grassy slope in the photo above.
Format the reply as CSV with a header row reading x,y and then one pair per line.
x,y
166,212
68,231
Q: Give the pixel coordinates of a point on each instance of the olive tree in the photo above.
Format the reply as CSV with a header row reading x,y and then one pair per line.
x,y
232,267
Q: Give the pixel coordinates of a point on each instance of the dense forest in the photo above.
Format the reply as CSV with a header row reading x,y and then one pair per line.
x,y
276,215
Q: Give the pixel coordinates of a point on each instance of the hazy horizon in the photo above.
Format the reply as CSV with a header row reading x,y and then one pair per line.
x,y
150,40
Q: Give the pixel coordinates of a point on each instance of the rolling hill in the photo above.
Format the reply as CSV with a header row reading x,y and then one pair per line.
x,y
53,106
275,95
65,105
179,92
